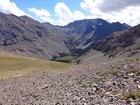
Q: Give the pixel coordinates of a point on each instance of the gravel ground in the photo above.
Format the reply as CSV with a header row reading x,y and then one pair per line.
x,y
117,83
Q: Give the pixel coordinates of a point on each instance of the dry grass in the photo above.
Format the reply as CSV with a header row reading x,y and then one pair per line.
x,y
102,73
132,71
15,66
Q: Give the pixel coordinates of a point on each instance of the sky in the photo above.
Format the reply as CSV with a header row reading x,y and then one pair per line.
x,y
62,12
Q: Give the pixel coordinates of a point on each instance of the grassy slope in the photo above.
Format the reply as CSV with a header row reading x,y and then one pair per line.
x,y
15,66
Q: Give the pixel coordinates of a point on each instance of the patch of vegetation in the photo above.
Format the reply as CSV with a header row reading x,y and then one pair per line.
x,y
115,92
132,60
89,83
85,84
102,73
112,72
134,95
97,81
66,59
132,71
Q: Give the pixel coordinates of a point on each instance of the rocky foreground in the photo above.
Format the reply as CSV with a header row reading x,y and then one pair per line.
x,y
117,83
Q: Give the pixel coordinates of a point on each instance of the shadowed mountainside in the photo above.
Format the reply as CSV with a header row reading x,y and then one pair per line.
x,y
88,31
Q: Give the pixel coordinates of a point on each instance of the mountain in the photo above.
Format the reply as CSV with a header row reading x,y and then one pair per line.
x,y
25,36
117,45
120,43
88,31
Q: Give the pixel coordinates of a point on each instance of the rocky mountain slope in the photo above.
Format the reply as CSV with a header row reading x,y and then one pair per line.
x,y
120,44
116,83
25,36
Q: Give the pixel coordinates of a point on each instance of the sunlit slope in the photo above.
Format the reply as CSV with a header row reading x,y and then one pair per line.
x,y
16,66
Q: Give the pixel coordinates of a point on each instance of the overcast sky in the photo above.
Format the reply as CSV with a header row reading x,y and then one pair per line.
x,y
61,12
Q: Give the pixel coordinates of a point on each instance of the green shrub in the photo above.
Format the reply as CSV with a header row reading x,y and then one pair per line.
x,y
133,95
85,84
66,59
97,81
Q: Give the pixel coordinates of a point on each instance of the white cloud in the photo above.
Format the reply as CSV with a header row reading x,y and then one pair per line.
x,y
78,15
65,15
43,14
8,7
63,12
89,5
114,10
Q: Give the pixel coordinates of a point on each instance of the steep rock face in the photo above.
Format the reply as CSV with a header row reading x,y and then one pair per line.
x,y
25,36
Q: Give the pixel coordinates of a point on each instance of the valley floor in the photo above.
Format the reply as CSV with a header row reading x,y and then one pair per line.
x,y
117,83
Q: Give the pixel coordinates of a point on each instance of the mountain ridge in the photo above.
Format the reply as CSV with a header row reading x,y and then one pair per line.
x,y
26,36
93,29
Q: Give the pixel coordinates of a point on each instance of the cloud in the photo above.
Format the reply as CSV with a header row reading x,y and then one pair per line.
x,y
66,15
63,12
124,11
108,5
8,7
43,14
88,4
116,5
